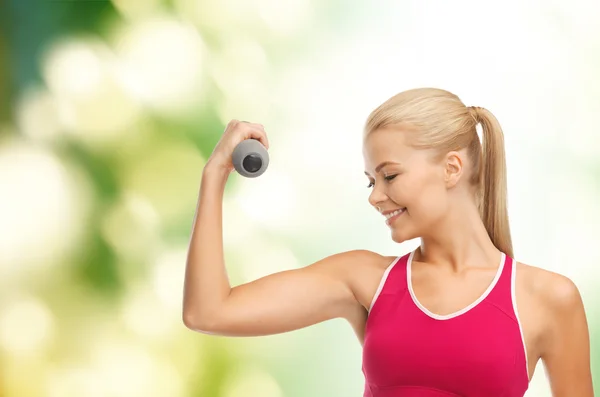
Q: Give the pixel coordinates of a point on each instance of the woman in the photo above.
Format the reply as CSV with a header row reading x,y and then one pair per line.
x,y
458,316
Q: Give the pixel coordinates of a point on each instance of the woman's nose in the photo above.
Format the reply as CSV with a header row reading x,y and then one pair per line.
x,y
376,197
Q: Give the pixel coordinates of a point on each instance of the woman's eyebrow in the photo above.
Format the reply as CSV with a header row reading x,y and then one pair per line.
x,y
381,165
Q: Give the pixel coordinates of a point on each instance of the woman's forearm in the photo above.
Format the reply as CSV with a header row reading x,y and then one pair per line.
x,y
206,283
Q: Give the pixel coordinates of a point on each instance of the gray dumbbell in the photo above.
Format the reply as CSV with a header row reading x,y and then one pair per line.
x,y
250,158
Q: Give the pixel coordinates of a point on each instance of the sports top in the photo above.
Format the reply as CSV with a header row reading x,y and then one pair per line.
x,y
478,351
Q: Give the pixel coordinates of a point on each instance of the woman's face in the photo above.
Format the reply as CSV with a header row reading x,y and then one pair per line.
x,y
411,181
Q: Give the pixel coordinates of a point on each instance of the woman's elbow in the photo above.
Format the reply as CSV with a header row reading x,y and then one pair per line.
x,y
194,322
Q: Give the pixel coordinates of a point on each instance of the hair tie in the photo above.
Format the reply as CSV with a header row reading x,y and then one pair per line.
x,y
474,111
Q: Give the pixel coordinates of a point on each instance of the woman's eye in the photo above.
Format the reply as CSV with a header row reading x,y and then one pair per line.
x,y
387,178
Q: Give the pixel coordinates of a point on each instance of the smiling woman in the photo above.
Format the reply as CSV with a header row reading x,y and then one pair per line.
x,y
458,316
451,188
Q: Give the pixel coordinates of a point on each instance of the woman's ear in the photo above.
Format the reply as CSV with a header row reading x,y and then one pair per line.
x,y
453,168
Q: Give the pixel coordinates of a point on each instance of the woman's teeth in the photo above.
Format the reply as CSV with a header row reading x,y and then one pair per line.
x,y
388,216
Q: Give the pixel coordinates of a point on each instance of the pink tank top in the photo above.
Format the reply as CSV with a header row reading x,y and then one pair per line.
x,y
478,351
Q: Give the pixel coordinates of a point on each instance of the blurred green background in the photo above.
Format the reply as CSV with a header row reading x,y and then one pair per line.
x,y
108,111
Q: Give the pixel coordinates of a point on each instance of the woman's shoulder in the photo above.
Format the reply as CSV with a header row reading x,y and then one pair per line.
x,y
549,300
365,274
552,295
550,287
366,262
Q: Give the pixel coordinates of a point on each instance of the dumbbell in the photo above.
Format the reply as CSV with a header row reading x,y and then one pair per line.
x,y
250,158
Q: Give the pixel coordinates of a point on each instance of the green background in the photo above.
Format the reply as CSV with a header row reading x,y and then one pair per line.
x,y
109,110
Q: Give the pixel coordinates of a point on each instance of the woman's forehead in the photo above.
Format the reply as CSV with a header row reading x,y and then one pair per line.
x,y
385,146
384,140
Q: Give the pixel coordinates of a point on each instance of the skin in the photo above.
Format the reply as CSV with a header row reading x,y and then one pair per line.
x,y
453,266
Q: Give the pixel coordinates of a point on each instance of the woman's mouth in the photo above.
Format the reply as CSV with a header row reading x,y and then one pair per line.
x,y
392,216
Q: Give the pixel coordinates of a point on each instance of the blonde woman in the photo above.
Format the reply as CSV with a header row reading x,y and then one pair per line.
x,y
458,316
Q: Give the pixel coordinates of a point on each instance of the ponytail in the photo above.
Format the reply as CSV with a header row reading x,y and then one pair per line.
x,y
493,208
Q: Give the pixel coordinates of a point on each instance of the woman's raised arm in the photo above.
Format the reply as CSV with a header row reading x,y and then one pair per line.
x,y
275,303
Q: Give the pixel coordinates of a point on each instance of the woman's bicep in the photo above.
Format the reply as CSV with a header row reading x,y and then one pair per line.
x,y
288,300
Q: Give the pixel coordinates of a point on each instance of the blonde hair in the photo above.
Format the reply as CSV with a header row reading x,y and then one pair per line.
x,y
440,121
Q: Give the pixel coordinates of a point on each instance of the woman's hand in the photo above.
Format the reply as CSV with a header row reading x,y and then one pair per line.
x,y
235,132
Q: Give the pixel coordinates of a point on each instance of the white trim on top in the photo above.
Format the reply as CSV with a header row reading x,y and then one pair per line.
x,y
514,303
461,311
382,282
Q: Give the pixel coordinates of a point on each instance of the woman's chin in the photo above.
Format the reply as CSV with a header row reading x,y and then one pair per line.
x,y
401,235
398,237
